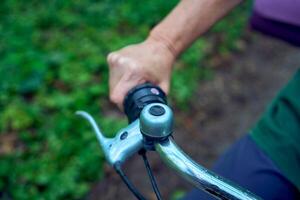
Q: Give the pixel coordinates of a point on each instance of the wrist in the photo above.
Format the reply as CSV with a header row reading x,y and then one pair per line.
x,y
163,42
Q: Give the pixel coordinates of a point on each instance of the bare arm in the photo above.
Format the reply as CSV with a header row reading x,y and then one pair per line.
x,y
152,59
189,20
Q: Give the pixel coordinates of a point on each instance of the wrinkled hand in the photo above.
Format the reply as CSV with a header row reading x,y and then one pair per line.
x,y
149,61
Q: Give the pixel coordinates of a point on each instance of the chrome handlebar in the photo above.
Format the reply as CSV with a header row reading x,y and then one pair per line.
x,y
149,127
199,176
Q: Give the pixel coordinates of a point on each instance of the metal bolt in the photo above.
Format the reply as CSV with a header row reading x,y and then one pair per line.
x,y
124,135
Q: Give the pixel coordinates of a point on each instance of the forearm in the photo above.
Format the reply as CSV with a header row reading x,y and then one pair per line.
x,y
188,20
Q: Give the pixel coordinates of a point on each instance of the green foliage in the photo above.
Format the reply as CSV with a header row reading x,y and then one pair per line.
x,y
52,63
229,30
188,71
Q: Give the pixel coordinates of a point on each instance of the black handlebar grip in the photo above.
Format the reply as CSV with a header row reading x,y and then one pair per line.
x,y
140,96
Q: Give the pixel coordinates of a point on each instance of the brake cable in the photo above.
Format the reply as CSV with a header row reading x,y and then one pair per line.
x,y
150,174
128,183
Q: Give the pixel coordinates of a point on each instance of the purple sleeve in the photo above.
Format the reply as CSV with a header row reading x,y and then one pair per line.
x,y
287,11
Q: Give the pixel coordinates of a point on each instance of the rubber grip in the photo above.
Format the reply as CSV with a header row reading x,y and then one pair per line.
x,y
140,96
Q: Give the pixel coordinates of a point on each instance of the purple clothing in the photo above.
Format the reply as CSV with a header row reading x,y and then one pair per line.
x,y
287,11
284,31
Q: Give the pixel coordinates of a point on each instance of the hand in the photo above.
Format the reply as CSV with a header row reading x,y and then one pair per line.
x,y
149,61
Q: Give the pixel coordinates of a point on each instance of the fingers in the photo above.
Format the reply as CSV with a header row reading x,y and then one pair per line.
x,y
120,91
136,64
124,75
165,86
115,60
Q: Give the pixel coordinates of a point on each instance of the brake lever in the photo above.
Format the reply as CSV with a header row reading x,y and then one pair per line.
x,y
127,141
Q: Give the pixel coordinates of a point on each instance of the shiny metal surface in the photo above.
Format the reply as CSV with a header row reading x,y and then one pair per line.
x,y
128,140
200,177
156,126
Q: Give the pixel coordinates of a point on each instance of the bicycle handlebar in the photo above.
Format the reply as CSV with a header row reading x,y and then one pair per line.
x,y
199,176
150,128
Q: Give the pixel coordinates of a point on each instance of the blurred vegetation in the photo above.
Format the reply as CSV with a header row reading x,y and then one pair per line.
x,y
53,62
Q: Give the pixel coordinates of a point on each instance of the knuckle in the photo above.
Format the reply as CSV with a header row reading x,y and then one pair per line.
x,y
134,67
121,60
112,57
109,57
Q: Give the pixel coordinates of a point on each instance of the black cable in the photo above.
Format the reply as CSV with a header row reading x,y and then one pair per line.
x,y
150,174
125,179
